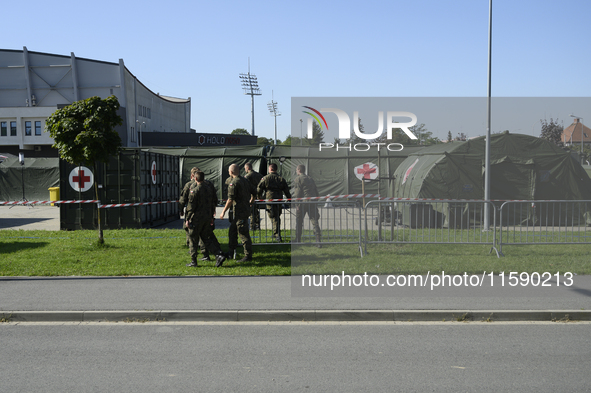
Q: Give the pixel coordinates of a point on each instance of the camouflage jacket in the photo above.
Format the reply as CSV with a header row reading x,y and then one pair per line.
x,y
304,186
254,178
199,202
240,191
273,186
184,198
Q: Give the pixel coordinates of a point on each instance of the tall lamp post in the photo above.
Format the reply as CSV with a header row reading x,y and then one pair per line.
x,y
487,146
251,88
273,109
580,121
139,127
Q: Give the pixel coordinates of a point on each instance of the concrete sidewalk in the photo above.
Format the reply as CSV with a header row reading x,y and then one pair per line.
x,y
270,299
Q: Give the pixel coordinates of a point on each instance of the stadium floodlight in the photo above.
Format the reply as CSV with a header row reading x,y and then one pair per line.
x,y
273,109
250,85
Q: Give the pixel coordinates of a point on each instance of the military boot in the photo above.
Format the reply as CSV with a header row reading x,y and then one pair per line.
x,y
193,262
220,258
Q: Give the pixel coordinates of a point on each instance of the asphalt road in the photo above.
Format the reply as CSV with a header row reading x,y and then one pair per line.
x,y
451,357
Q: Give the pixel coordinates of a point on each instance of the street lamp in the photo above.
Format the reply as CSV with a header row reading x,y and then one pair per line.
x,y
580,120
251,88
139,127
273,109
487,140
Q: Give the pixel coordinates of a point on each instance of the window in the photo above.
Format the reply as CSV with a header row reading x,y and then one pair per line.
x,y
37,128
133,134
3,129
28,128
13,128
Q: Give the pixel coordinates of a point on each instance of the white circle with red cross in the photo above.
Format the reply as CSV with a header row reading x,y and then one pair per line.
x,y
153,172
81,178
367,171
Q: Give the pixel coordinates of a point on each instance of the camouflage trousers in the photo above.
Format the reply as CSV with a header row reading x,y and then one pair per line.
x,y
202,231
274,212
239,228
313,214
255,218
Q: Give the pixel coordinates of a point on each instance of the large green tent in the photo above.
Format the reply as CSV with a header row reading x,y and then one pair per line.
x,y
522,168
214,162
38,174
335,170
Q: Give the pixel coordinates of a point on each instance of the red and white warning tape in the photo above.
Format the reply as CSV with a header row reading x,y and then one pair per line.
x,y
133,204
327,197
44,202
83,201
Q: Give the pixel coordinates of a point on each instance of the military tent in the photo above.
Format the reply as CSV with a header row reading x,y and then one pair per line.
x,y
38,175
522,168
214,162
336,171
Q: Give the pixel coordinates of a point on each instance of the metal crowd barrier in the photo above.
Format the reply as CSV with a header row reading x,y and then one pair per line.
x,y
545,222
429,221
339,221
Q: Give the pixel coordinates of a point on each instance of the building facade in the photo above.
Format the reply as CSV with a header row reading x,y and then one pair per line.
x,y
33,85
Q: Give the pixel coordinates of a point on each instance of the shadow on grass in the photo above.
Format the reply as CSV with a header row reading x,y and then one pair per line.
x,y
11,247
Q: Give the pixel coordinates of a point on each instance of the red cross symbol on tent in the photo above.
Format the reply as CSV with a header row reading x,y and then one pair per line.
x,y
81,179
366,171
153,172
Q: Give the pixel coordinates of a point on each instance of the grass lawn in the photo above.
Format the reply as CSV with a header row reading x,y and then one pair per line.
x,y
147,252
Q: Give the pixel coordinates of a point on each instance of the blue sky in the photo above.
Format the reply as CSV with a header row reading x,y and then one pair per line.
x,y
420,48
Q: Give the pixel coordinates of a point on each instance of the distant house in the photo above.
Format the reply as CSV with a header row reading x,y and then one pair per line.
x,y
572,134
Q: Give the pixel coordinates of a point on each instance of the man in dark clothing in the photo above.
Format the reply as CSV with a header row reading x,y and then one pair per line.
x,y
183,202
232,230
254,178
304,187
198,221
274,186
240,196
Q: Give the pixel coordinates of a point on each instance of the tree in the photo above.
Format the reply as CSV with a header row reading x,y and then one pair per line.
x,y
84,133
449,136
552,132
262,141
240,131
354,138
317,135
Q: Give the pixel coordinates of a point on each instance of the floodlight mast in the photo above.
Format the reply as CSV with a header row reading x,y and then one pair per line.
x,y
273,109
251,88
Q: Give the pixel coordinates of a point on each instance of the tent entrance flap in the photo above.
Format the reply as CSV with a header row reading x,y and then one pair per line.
x,y
512,180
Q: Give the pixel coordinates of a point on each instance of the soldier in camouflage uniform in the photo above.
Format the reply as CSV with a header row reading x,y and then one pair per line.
x,y
304,187
240,196
198,221
274,186
254,178
183,202
232,229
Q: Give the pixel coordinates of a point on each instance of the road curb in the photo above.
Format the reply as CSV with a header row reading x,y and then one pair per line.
x,y
296,316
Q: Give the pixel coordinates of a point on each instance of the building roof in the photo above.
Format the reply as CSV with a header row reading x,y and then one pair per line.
x,y
572,133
